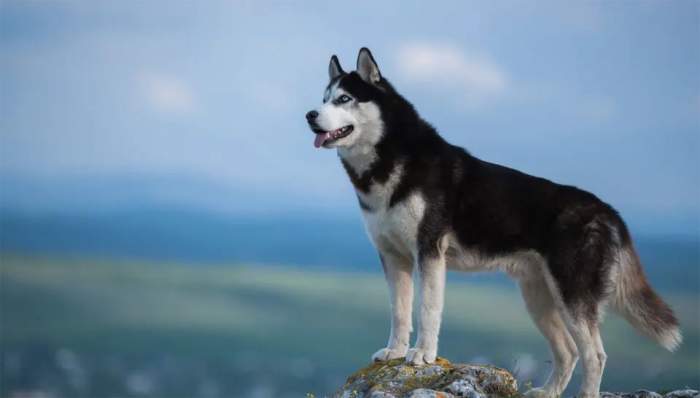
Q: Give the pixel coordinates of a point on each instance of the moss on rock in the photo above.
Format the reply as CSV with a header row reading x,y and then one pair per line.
x,y
396,378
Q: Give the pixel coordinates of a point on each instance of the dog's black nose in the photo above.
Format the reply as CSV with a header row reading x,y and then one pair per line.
x,y
311,116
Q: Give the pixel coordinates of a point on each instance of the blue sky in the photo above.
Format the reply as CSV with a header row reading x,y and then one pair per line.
x,y
202,104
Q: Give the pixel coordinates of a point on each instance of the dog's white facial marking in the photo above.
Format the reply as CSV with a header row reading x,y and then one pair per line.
x,y
369,125
357,147
360,152
334,116
330,91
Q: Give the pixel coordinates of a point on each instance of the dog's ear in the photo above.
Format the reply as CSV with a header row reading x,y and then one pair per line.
x,y
367,68
334,68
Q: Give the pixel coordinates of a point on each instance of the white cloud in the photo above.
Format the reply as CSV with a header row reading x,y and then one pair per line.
x,y
167,94
474,76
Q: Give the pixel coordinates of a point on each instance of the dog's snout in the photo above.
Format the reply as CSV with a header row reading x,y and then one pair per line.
x,y
311,116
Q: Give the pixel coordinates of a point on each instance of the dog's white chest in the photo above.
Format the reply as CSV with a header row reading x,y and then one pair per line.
x,y
393,229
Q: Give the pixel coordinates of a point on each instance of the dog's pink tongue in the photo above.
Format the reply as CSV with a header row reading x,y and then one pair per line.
x,y
320,139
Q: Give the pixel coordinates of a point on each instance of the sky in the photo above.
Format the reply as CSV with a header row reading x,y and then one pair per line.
x,y
202,103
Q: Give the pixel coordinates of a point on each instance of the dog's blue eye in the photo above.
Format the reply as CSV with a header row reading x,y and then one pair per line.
x,y
343,99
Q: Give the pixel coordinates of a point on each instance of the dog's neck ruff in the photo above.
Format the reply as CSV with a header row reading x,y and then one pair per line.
x,y
359,158
367,165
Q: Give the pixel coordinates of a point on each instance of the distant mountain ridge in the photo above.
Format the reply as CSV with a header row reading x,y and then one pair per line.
x,y
113,193
301,239
191,236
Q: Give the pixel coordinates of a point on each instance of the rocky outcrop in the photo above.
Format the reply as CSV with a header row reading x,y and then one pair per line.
x,y
686,393
396,379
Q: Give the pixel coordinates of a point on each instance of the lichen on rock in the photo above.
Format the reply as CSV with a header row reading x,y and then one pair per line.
x,y
397,379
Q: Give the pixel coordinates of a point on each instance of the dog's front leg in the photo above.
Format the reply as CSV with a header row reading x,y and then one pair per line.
x,y
432,294
398,272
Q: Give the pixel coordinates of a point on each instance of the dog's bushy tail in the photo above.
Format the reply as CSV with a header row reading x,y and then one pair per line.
x,y
637,302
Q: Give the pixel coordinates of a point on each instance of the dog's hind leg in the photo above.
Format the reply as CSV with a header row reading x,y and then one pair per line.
x,y
544,312
581,261
600,351
587,337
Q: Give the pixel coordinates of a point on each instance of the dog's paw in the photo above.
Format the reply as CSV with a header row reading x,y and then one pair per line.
x,y
386,354
540,393
420,356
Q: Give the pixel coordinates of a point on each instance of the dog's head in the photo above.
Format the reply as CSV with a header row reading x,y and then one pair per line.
x,y
351,113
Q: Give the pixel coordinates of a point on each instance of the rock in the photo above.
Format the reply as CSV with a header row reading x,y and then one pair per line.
x,y
687,393
636,394
651,394
397,379
427,393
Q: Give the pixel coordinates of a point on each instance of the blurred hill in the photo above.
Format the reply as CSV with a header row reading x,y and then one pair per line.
x,y
79,328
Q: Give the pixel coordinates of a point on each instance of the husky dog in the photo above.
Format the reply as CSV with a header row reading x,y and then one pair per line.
x,y
429,206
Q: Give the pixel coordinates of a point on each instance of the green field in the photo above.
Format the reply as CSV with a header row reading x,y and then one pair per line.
x,y
79,328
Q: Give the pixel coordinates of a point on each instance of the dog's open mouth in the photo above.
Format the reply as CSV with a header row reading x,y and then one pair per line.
x,y
327,137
